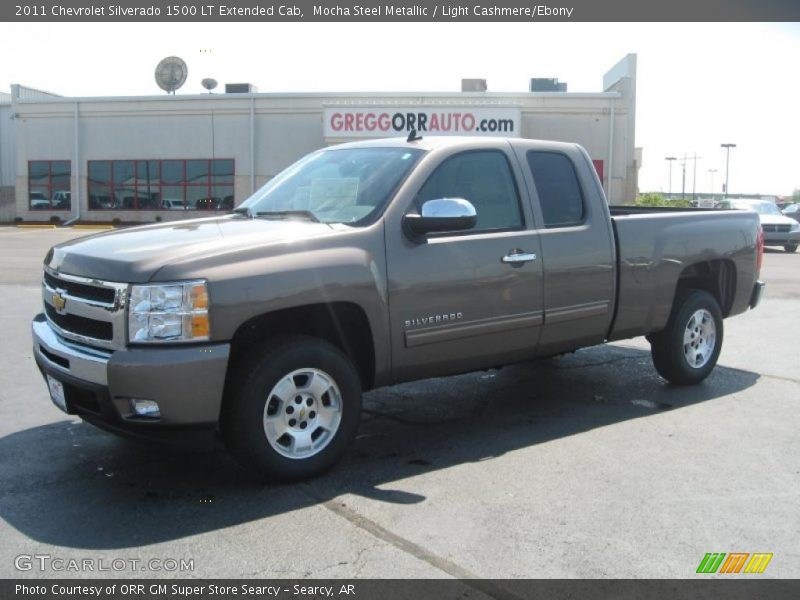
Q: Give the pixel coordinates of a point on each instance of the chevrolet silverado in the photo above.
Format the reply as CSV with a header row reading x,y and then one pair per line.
x,y
368,264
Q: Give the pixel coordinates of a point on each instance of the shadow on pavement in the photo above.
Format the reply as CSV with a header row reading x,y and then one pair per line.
x,y
71,485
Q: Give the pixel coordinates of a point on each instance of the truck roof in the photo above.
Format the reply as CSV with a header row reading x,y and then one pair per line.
x,y
435,142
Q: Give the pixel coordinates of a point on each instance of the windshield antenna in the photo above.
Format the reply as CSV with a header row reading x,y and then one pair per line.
x,y
412,136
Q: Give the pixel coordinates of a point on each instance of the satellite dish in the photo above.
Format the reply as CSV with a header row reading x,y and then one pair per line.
x,y
171,74
209,84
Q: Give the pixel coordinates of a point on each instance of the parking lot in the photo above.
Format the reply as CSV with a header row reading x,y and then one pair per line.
x,y
586,465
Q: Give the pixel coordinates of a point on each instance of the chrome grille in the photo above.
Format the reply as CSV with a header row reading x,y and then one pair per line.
x,y
87,311
776,228
92,328
81,290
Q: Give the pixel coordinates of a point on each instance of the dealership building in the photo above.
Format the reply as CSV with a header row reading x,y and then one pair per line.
x,y
144,157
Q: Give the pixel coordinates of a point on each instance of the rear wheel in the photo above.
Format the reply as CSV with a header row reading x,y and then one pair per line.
x,y
790,247
293,408
686,351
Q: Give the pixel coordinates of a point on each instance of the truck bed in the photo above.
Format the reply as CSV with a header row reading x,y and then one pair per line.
x,y
618,210
656,245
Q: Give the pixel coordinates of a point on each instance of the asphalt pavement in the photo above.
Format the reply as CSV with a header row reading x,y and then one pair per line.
x,y
587,465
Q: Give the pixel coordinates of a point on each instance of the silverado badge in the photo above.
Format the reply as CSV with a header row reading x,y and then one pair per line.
x,y
59,302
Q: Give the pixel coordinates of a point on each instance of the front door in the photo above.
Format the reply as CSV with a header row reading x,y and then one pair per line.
x,y
465,300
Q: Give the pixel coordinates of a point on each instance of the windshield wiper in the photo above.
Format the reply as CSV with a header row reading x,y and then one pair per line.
x,y
289,214
242,210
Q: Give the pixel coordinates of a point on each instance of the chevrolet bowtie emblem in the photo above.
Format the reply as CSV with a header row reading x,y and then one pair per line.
x,y
59,302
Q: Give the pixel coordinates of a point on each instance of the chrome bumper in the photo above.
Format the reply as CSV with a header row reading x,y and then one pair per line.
x,y
187,382
66,357
775,238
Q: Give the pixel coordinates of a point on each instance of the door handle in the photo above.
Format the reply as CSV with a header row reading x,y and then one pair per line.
x,y
517,258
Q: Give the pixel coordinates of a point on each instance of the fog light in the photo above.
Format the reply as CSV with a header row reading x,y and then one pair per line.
x,y
145,408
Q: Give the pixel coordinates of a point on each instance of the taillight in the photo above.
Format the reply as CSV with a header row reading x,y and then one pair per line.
x,y
759,250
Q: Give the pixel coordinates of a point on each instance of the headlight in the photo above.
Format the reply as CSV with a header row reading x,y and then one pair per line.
x,y
168,312
796,226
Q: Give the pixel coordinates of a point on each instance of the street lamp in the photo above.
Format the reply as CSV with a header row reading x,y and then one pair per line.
x,y
694,176
683,179
712,171
670,159
727,163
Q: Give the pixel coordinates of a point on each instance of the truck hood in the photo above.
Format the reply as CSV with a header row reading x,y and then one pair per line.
x,y
135,255
775,220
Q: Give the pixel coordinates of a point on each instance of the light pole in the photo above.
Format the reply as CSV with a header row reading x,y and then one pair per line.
x,y
670,159
694,175
727,163
683,181
712,171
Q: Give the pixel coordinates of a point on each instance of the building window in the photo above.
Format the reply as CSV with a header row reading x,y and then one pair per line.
x,y
49,184
204,184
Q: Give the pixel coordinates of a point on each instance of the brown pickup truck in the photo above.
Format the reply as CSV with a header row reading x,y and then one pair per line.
x,y
369,264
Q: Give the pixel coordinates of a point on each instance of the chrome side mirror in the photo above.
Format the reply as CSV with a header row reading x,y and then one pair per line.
x,y
443,214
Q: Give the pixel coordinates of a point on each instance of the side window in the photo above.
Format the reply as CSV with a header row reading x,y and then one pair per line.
x,y
558,189
485,179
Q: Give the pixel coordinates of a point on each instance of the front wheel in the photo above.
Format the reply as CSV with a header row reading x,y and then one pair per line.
x,y
686,351
790,247
293,408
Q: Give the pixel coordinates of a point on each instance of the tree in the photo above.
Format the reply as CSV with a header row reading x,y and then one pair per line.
x,y
656,199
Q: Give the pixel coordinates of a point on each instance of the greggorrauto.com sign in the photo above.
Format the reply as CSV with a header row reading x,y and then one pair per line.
x,y
393,121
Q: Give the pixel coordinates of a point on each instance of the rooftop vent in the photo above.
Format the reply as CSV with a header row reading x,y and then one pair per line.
x,y
544,84
473,85
240,88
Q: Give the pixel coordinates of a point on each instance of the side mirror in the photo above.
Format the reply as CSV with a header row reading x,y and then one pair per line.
x,y
443,214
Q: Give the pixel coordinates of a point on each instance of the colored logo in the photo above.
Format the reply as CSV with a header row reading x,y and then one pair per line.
x,y
59,302
734,562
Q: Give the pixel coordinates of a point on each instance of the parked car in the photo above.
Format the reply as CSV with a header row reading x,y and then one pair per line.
x,y
779,229
369,264
792,211
38,201
169,204
62,200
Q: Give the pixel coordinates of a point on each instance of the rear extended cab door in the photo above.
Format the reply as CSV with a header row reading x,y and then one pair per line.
x,y
578,251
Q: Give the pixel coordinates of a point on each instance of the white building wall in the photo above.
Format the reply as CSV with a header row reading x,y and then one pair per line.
x,y
281,128
7,142
8,151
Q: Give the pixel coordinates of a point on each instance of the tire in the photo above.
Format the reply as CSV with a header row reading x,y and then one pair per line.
x,y
790,248
686,351
282,395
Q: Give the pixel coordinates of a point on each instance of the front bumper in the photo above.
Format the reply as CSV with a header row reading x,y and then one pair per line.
x,y
772,238
187,382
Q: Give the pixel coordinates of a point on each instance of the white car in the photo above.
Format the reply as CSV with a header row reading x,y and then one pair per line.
x,y
38,201
170,204
779,230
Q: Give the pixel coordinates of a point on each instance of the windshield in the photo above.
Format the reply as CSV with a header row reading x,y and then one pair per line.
x,y
762,208
335,186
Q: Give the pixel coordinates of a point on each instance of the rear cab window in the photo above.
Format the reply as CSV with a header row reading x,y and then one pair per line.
x,y
560,195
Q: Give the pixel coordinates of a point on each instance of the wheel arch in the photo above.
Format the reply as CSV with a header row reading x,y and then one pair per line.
x,y
345,325
716,276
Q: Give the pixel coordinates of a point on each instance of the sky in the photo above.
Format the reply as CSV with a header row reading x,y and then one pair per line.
x,y
698,85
